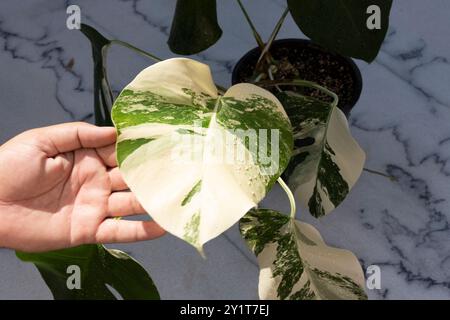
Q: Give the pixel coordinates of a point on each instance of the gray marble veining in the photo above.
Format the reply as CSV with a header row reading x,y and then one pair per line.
x,y
402,121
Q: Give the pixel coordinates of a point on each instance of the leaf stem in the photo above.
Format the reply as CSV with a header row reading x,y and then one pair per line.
x,y
136,49
302,83
290,196
269,72
274,34
392,178
256,35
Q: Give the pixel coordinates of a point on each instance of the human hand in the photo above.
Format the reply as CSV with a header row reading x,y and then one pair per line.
x,y
60,187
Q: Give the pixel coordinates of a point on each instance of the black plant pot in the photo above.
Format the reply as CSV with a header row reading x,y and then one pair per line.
x,y
311,62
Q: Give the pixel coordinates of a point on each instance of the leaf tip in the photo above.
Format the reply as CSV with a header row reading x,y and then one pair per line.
x,y
201,252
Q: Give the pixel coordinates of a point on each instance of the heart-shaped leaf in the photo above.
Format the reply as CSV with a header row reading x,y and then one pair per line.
x,y
295,262
197,161
194,26
341,25
98,267
326,161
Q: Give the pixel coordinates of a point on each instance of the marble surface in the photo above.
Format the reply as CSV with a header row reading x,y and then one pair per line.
x,y
402,121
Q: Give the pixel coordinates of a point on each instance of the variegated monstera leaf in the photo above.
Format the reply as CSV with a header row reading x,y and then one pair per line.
x,y
326,161
295,262
198,161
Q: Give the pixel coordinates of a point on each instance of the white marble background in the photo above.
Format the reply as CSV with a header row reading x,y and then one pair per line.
x,y
402,121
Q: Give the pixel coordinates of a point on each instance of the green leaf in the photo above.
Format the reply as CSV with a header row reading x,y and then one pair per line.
x,y
326,161
341,25
98,267
200,150
103,97
194,26
295,263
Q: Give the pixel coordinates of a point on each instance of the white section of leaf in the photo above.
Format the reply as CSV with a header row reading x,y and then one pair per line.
x,y
170,76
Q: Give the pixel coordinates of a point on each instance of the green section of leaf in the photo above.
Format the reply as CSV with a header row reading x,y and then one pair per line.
x,y
191,230
200,99
341,25
301,265
262,231
252,115
344,282
133,108
99,267
329,179
127,147
321,173
287,265
139,107
192,193
103,97
262,227
194,26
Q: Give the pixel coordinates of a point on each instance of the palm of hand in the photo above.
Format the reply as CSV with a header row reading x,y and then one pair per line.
x,y
59,199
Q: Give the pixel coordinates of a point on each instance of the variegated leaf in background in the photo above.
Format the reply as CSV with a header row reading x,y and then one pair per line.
x,y
173,128
295,263
326,161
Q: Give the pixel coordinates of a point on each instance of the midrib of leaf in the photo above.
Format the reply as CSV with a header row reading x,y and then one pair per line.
x,y
188,237
197,187
208,133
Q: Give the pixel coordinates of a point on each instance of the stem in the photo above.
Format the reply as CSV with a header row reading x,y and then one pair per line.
x,y
140,51
250,23
272,38
302,83
392,178
269,72
290,196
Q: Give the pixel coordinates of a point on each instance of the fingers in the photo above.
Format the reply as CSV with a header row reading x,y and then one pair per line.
x,y
122,204
113,231
108,155
75,135
117,182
